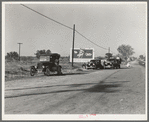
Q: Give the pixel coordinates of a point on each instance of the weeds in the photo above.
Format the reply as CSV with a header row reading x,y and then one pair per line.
x,y
21,69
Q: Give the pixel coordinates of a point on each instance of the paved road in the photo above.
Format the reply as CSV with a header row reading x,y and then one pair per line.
x,y
109,91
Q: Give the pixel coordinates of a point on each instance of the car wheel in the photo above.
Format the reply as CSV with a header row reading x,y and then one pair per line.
x,y
47,72
32,71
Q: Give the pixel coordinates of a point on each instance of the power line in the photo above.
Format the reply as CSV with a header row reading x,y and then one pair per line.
x,y
91,41
47,17
63,25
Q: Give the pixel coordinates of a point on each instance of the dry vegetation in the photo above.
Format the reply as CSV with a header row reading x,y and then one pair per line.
x,y
21,69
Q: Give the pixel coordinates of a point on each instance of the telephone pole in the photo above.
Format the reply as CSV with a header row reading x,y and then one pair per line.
x,y
19,49
109,49
109,53
73,43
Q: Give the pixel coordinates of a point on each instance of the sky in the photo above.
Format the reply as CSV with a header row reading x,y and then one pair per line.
x,y
106,24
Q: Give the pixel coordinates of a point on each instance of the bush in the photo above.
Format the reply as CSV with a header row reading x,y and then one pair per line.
x,y
12,56
26,58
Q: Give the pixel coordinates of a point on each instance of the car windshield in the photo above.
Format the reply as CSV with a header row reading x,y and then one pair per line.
x,y
44,58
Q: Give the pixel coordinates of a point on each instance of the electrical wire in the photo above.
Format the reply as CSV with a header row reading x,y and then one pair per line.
x,y
47,17
63,25
90,40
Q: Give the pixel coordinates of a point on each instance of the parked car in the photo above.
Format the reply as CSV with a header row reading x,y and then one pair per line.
x,y
107,64
113,63
47,64
142,62
93,64
116,63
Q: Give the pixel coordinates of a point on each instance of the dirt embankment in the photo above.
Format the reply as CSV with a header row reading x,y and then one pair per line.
x,y
21,69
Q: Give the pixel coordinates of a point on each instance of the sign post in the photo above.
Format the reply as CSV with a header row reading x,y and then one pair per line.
x,y
19,49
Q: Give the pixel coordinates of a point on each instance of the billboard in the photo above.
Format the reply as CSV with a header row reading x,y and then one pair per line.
x,y
82,55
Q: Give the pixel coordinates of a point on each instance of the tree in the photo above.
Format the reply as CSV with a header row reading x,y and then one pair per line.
x,y
125,50
12,55
39,52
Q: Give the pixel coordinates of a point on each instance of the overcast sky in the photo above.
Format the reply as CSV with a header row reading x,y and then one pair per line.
x,y
108,25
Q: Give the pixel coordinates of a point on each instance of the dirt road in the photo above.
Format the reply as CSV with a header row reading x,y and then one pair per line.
x,y
109,91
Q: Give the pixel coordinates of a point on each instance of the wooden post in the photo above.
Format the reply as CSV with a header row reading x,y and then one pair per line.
x,y
19,49
73,43
109,53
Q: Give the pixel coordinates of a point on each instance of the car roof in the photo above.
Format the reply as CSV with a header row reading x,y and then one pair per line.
x,y
95,60
52,54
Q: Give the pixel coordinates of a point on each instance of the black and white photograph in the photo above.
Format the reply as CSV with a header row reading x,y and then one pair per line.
x,y
74,60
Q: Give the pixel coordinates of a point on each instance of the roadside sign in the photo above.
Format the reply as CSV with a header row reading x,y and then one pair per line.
x,y
82,55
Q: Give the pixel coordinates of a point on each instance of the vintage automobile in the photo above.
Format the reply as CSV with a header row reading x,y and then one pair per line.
x,y
116,62
112,63
93,64
107,64
48,64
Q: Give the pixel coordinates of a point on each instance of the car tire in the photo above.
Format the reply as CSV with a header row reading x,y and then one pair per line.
x,y
32,71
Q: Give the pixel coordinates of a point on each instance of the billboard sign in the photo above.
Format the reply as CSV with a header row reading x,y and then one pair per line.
x,y
82,55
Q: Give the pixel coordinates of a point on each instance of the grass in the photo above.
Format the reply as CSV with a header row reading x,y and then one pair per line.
x,y
21,69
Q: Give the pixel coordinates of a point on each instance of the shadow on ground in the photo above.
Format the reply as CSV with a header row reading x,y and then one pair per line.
x,y
69,85
107,87
101,87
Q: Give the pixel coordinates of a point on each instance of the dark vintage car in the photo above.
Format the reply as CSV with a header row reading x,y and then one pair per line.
x,y
112,63
116,63
93,64
48,64
107,64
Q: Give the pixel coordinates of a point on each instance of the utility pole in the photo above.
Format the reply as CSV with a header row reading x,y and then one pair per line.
x,y
109,53
19,49
73,43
